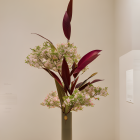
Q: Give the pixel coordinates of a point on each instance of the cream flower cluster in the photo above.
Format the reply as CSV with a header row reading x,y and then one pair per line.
x,y
52,58
77,99
52,100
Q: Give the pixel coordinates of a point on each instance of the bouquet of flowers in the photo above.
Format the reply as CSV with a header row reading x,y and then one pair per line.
x,y
64,61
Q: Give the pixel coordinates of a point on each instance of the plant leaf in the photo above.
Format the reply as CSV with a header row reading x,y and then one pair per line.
x,y
54,76
84,86
66,26
61,93
72,83
73,86
82,83
88,79
92,75
74,65
69,9
86,59
78,85
65,74
75,75
46,39
96,80
72,71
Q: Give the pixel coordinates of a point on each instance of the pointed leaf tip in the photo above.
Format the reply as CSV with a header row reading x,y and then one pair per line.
x,y
96,80
69,9
46,39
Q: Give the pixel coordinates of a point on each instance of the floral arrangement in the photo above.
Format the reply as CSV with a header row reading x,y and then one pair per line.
x,y
64,61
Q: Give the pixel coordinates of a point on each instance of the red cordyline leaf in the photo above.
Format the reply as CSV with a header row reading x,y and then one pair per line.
x,y
65,74
54,76
73,86
86,59
78,85
72,83
82,83
67,19
66,26
44,38
75,75
84,86
69,10
72,71
96,80
74,66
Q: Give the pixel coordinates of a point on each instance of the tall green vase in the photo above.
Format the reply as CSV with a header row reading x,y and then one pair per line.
x,y
66,126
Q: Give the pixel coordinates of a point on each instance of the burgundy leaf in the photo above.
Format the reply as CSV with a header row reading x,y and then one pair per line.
x,y
88,79
88,56
44,38
66,26
83,83
84,86
96,80
65,74
72,83
86,59
69,10
72,71
72,88
78,85
54,76
74,65
73,68
75,75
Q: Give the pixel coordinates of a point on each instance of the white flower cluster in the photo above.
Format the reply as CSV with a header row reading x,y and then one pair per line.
x,y
52,100
52,58
77,99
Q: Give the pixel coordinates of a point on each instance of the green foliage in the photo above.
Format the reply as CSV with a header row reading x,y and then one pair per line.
x,y
71,96
75,91
60,91
37,47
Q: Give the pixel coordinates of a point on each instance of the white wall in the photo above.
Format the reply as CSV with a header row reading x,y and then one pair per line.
x,y
22,117
127,21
